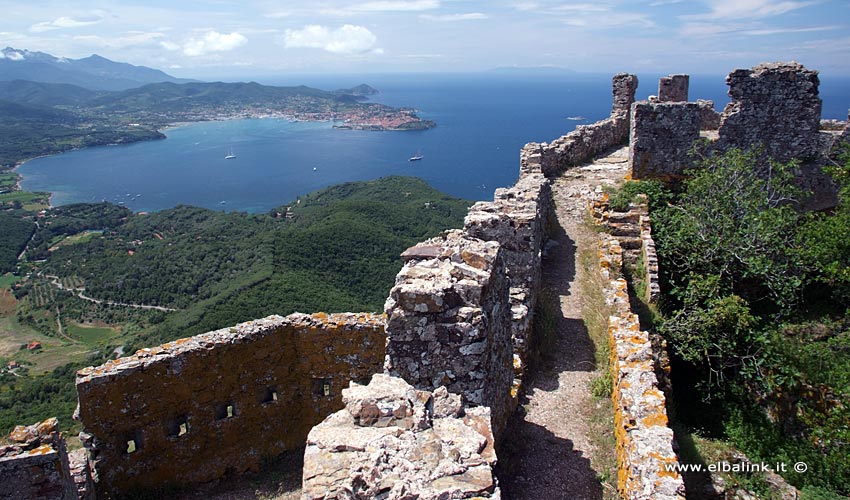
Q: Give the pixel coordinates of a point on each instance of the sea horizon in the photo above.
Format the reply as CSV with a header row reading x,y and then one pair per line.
x,y
483,120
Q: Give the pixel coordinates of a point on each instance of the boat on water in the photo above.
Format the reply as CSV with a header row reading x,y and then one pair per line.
x,y
418,156
230,155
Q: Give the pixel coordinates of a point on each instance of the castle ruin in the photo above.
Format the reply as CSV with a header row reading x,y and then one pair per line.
x,y
412,404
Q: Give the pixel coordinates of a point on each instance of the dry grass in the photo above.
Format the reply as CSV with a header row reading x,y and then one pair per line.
x,y
595,314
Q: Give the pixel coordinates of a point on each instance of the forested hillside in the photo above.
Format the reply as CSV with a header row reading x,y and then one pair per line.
x,y
334,250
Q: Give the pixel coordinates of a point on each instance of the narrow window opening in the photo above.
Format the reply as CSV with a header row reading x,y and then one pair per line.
x,y
178,427
269,395
224,411
322,387
132,443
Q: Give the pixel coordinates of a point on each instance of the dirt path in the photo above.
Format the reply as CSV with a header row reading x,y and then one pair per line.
x,y
548,447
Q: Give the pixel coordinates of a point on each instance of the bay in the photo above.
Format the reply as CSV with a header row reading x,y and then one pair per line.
x,y
482,122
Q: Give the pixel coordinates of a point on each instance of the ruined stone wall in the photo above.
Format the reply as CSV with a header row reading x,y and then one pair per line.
x,y
645,455
449,322
709,118
774,106
517,219
673,88
195,409
661,136
586,141
35,466
395,442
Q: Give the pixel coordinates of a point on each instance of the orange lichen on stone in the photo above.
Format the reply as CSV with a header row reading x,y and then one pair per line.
x,y
659,418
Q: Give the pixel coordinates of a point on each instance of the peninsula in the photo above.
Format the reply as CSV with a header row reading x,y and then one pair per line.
x,y
48,118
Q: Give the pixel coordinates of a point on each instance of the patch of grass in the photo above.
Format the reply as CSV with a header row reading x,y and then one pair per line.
x,y
91,336
595,313
23,197
8,279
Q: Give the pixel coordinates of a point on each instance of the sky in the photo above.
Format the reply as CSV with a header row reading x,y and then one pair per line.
x,y
234,39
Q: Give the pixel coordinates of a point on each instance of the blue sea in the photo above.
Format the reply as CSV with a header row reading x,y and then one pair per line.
x,y
482,122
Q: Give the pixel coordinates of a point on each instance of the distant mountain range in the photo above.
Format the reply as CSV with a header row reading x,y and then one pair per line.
x,y
93,72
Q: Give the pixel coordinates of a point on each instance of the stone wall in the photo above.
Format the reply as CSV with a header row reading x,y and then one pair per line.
x,y
709,118
586,141
517,219
774,106
673,88
645,455
449,322
196,409
35,465
661,137
394,442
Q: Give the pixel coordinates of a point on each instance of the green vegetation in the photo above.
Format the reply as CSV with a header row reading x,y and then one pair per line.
x,y
755,312
16,233
338,250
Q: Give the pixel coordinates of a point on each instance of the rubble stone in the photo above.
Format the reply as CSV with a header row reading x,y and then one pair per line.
x,y
446,454
661,138
35,466
673,88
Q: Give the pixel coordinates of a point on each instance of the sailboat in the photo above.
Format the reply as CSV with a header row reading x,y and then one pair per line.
x,y
230,155
417,157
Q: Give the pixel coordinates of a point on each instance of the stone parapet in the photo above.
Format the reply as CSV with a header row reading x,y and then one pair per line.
x,y
449,323
395,442
586,141
645,456
195,409
35,466
517,219
661,138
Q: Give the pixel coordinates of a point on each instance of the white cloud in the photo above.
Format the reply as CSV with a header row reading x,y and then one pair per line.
x,y
170,46
66,22
397,5
213,41
348,39
132,39
704,29
747,9
470,16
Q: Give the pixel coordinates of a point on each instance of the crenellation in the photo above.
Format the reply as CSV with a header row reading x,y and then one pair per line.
x,y
673,88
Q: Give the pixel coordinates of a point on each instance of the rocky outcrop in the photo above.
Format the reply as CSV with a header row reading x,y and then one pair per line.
x,y
448,322
195,409
395,442
35,466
